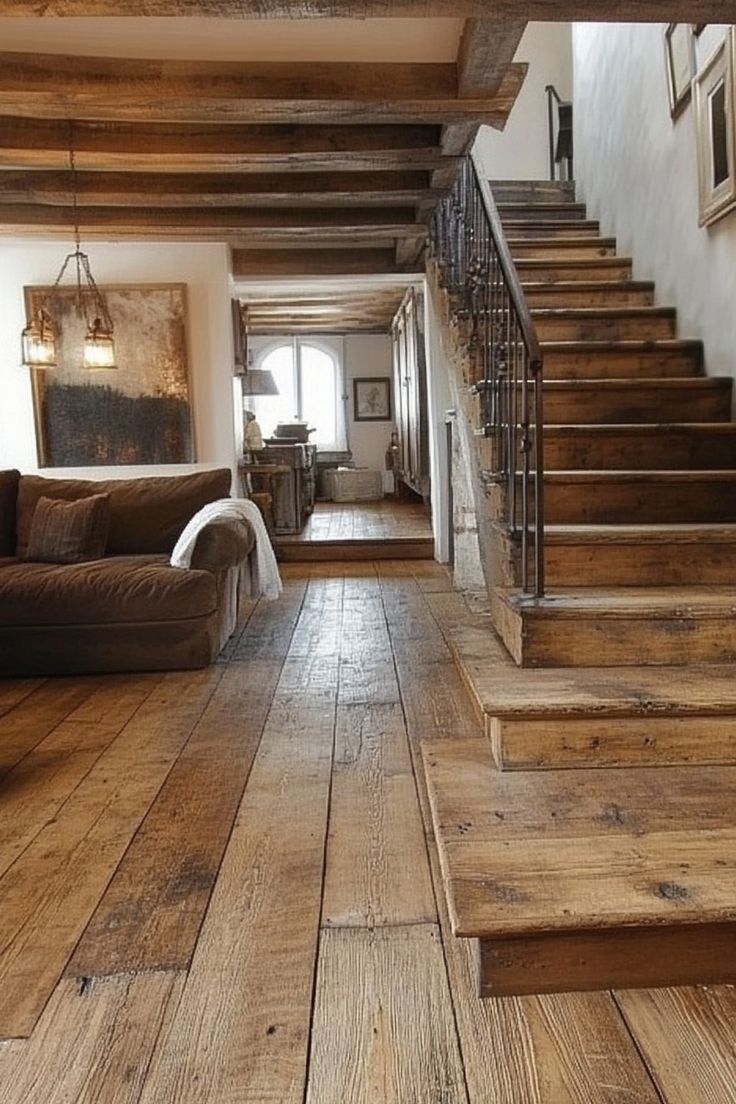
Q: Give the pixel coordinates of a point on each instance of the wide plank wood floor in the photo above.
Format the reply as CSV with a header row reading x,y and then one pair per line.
x,y
220,887
389,519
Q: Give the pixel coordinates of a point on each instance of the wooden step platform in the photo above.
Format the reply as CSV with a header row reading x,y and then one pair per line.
x,y
569,360
549,210
641,446
545,719
533,191
386,548
584,880
551,228
618,626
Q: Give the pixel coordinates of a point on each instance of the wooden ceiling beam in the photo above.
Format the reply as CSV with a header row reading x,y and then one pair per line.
x,y
63,86
484,64
272,263
178,147
652,11
210,190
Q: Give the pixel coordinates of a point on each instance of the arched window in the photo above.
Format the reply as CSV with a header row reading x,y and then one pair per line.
x,y
308,379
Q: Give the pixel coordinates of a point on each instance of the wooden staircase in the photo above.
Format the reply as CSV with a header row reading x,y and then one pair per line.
x,y
587,838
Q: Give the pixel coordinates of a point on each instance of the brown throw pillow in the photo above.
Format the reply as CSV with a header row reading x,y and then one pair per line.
x,y
69,532
8,494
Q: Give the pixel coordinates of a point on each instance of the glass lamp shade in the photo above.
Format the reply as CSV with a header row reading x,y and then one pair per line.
x,y
99,347
38,343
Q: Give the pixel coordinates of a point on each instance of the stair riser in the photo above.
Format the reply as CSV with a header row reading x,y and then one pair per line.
x,y
638,565
540,212
621,365
624,958
551,250
596,641
551,272
613,407
588,297
643,452
544,191
566,742
652,327
629,504
548,230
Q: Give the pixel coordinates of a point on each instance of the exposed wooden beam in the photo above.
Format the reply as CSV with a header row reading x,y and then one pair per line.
x,y
238,225
487,49
288,325
271,263
209,190
652,11
181,147
484,68
62,86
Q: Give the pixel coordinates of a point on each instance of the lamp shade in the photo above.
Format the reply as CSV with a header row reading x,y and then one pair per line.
x,y
259,381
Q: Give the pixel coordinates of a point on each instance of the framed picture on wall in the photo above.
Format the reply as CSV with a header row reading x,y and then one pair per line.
x,y
716,133
680,58
372,399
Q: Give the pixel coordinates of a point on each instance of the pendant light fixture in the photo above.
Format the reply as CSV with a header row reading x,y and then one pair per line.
x,y
38,339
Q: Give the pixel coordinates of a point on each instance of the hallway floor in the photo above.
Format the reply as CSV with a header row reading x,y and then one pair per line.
x,y
218,887
388,519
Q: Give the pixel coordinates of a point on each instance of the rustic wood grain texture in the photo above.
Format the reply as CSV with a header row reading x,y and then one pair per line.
x,y
373,1040
241,1029
714,11
33,718
343,261
34,85
92,1043
150,915
14,691
35,790
686,1037
52,889
377,871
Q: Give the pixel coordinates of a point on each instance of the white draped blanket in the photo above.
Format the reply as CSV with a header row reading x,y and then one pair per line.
x,y
260,572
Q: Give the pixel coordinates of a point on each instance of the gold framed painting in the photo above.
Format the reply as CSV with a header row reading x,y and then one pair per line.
x,y
716,133
137,413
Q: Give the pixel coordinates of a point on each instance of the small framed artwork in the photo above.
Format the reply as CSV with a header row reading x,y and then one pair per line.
x,y
716,133
680,58
372,399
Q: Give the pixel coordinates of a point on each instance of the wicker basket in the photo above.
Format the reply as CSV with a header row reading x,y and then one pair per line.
x,y
354,484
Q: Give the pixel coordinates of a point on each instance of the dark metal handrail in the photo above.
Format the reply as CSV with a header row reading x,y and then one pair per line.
x,y
560,150
476,266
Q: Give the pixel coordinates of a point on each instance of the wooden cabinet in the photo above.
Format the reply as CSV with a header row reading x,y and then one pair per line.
x,y
410,390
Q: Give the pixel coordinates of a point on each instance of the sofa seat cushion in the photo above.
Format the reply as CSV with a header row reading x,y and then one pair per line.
x,y
114,590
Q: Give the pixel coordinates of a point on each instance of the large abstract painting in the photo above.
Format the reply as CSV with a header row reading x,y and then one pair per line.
x,y
138,413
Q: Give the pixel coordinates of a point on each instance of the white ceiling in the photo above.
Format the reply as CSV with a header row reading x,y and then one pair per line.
x,y
195,39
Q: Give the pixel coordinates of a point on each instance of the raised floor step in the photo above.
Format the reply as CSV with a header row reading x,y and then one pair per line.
x,y
618,626
583,880
621,359
587,293
641,446
624,323
545,719
384,548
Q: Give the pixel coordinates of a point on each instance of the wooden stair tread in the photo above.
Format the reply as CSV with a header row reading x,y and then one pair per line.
x,y
636,429
642,383
624,345
586,313
657,475
547,243
501,689
568,851
707,533
641,602
563,207
512,224
575,286
573,262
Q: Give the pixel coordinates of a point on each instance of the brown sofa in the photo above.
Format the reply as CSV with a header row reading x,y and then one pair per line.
x,y
130,611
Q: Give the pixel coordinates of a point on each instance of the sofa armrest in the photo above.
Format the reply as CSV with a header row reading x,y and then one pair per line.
x,y
221,545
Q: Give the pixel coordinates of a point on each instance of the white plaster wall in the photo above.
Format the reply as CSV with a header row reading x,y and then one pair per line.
x,y
521,151
637,171
202,267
